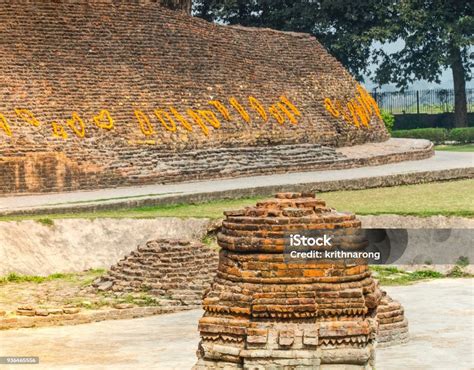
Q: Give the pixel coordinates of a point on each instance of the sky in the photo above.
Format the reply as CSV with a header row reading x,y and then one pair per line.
x,y
446,83
446,77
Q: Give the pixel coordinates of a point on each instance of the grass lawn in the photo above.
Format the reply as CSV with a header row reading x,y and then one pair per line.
x,y
456,148
84,278
453,198
391,275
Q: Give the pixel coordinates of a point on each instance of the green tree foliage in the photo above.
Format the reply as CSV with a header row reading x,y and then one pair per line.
x,y
436,34
346,28
185,5
388,120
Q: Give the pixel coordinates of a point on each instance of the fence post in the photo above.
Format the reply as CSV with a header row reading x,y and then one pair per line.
x,y
417,102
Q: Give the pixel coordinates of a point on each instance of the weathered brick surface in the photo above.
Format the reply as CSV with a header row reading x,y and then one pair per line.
x,y
392,324
61,57
176,272
84,316
263,312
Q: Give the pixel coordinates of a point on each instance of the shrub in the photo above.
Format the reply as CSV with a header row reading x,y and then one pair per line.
x,y
436,135
426,274
462,261
45,221
389,120
462,135
457,272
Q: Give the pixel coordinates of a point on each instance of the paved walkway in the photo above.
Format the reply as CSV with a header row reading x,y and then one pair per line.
x,y
442,166
440,315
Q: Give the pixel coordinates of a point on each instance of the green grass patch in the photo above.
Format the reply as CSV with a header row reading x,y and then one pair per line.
x,y
457,272
19,278
455,148
45,221
452,198
85,277
213,209
390,275
143,300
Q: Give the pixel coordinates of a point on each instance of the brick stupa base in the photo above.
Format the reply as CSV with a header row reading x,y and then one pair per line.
x,y
175,271
392,324
264,313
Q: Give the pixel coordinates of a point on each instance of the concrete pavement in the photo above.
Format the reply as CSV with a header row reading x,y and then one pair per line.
x,y
442,166
440,315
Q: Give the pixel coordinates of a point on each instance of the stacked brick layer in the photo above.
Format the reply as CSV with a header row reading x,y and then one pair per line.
x,y
176,272
62,57
262,312
171,166
392,324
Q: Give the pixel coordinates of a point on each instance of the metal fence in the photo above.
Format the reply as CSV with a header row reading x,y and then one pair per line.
x,y
421,101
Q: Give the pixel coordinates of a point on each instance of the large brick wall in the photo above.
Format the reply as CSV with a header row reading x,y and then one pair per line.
x,y
62,64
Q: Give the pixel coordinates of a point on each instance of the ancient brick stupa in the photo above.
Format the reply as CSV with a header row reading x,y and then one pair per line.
x,y
106,93
176,272
263,313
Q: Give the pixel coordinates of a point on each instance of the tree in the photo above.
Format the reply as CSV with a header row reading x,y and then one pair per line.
x,y
345,28
436,34
184,5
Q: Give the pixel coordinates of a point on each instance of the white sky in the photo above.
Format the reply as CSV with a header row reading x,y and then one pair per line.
x,y
446,77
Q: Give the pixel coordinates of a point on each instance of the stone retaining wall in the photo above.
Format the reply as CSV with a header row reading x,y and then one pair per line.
x,y
75,245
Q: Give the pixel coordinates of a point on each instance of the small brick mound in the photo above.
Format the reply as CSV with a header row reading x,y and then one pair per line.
x,y
176,272
392,324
